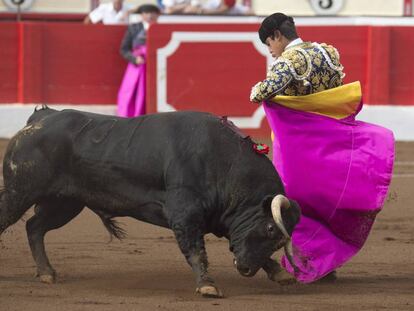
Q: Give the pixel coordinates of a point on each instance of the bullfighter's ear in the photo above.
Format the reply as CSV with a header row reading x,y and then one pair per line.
x,y
267,201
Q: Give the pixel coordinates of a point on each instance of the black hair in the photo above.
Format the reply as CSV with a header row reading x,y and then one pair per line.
x,y
148,8
277,21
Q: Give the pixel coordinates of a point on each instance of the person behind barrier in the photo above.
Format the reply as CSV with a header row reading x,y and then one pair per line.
x,y
131,95
178,6
111,13
218,7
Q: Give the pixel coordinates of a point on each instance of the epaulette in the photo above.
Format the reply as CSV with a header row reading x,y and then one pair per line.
x,y
298,60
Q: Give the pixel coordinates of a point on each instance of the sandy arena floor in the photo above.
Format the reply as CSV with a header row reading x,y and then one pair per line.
x,y
146,271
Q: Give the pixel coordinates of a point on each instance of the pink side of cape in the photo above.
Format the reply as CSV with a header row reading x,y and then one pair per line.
x,y
339,172
131,95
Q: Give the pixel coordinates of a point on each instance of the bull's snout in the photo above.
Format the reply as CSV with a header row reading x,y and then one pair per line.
x,y
243,270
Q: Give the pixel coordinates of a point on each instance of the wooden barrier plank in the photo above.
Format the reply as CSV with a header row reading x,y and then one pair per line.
x,y
8,62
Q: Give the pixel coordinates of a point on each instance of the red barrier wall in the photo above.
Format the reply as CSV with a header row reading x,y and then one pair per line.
x,y
80,64
209,73
401,47
379,57
60,63
8,62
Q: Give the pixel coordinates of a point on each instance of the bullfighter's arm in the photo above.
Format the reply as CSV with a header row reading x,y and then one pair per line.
x,y
278,78
126,46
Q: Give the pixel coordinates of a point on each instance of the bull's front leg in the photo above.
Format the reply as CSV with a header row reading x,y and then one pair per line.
x,y
188,225
277,274
190,239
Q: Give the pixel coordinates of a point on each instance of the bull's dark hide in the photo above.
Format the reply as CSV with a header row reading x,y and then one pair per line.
x,y
188,171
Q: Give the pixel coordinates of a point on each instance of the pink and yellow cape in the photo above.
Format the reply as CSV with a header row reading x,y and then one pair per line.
x,y
337,168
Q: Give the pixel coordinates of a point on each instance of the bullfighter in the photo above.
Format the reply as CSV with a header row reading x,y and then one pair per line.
x,y
337,168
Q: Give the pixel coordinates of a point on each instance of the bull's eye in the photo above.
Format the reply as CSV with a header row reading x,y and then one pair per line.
x,y
271,231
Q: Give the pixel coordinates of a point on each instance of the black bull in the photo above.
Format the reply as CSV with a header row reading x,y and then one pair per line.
x,y
188,171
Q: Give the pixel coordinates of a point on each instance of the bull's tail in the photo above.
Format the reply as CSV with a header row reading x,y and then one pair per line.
x,y
113,228
111,225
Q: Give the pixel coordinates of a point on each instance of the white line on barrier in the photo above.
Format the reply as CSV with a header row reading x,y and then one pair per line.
x,y
300,21
397,118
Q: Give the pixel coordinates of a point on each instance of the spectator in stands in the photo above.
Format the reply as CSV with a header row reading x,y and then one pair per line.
x,y
111,13
219,7
131,95
178,6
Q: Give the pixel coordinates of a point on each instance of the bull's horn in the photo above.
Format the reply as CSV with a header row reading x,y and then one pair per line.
x,y
278,202
289,255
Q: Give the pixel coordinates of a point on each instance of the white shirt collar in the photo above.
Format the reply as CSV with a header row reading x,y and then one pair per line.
x,y
146,25
294,42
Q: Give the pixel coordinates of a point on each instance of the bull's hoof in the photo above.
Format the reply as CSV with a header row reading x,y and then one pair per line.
x,y
209,291
47,278
284,278
281,276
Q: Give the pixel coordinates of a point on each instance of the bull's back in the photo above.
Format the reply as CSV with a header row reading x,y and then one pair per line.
x,y
107,149
126,166
151,153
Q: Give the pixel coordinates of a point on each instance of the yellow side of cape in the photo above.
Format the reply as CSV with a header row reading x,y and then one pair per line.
x,y
338,103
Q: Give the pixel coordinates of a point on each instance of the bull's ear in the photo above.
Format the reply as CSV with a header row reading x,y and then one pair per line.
x,y
291,216
267,201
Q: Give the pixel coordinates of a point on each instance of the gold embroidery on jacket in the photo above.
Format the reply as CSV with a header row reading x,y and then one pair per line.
x,y
303,69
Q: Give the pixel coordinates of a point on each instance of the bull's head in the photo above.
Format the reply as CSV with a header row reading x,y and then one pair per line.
x,y
264,233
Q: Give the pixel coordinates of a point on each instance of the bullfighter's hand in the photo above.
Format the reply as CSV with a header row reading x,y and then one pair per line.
x,y
254,94
139,60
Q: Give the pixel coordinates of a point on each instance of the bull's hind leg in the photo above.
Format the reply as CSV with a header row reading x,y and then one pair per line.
x,y
188,225
49,214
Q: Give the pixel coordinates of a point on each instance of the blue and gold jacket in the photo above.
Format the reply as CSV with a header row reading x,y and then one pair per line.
x,y
302,69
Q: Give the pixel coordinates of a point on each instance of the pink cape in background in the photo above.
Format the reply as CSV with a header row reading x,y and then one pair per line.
x,y
338,170
131,95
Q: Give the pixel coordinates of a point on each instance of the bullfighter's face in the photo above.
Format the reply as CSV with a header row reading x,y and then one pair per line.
x,y
150,17
276,44
253,246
